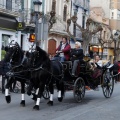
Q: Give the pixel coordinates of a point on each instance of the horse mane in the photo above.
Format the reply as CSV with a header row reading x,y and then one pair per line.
x,y
42,52
16,55
43,57
20,54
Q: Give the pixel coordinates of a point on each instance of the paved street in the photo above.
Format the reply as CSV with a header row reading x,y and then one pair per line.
x,y
93,107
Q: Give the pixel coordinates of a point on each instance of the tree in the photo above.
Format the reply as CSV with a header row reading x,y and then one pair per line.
x,y
86,33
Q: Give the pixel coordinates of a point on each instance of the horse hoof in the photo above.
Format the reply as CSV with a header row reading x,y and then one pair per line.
x,y
28,93
36,107
22,104
34,97
60,99
50,103
8,99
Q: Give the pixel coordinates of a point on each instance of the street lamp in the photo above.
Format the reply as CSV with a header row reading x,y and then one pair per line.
x,y
46,23
115,37
37,6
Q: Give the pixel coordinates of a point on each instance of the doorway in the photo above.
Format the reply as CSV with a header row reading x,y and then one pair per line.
x,y
51,47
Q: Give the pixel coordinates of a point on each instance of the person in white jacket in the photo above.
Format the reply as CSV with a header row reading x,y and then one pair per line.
x,y
98,61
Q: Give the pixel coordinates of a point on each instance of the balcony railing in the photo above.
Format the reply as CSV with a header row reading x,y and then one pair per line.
x,y
25,15
12,12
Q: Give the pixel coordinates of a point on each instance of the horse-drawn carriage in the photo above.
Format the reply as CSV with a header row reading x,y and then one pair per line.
x,y
87,77
43,74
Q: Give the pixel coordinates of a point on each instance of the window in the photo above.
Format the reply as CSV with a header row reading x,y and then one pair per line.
x,y
84,3
9,4
65,13
83,19
74,26
105,51
118,14
87,4
54,5
104,35
112,15
5,42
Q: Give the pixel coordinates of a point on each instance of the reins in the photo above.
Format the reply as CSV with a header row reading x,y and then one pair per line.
x,y
55,76
16,74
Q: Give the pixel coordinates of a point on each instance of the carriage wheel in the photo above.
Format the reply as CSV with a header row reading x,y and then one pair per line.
x,y
79,89
46,93
108,85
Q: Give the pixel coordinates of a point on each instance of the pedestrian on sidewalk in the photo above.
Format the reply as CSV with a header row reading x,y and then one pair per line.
x,y
115,70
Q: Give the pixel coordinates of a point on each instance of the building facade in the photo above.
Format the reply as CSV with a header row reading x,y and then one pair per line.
x,y
62,9
110,16
9,11
97,14
115,15
63,12
81,9
115,26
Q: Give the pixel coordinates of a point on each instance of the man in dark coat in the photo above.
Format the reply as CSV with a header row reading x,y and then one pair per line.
x,y
77,56
115,70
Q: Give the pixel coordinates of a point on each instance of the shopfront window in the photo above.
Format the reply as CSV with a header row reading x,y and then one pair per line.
x,y
5,42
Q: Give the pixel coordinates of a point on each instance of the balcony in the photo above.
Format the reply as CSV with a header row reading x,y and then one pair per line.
x,y
60,26
12,12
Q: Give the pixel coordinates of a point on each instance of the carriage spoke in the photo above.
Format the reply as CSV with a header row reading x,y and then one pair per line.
x,y
108,87
79,90
46,94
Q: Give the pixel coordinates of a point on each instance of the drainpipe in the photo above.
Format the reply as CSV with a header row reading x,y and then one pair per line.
x,y
42,25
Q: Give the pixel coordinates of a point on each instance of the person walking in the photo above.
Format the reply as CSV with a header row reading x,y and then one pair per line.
x,y
115,70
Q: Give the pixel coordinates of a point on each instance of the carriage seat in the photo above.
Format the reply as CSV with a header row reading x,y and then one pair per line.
x,y
67,65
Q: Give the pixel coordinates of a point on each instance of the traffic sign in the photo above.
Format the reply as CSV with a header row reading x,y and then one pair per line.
x,y
20,25
32,38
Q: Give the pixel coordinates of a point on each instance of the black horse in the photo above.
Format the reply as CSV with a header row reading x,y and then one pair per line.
x,y
15,58
44,72
14,54
11,57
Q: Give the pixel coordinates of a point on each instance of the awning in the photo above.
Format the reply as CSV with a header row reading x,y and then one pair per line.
x,y
8,23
